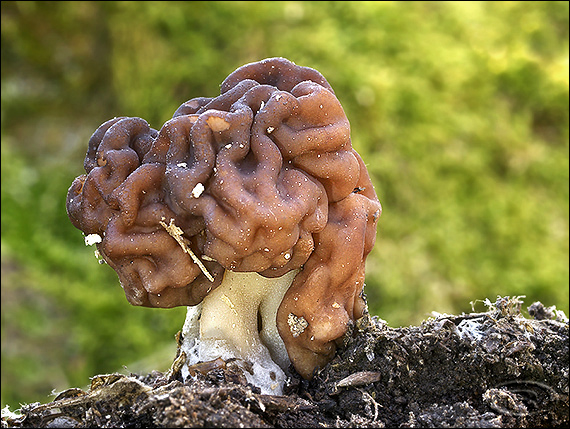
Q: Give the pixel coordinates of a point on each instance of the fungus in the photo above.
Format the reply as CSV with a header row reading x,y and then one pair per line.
x,y
251,208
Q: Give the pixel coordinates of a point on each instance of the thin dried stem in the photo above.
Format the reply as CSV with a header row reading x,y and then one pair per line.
x,y
177,233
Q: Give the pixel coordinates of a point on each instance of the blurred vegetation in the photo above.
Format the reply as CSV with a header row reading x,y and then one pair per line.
x,y
460,110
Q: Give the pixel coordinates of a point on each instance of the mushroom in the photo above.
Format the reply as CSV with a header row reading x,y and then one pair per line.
x,y
251,208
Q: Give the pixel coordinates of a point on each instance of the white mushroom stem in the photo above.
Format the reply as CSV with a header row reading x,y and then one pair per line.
x,y
226,324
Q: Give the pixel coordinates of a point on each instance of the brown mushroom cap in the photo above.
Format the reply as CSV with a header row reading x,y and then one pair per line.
x,y
261,178
327,293
121,199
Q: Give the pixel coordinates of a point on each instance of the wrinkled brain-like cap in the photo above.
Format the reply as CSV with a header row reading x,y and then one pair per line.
x,y
261,178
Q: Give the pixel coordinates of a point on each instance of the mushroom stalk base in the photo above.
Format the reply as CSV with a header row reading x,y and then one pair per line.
x,y
238,319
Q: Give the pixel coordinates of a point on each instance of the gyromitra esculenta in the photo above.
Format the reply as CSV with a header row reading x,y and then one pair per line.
x,y
251,208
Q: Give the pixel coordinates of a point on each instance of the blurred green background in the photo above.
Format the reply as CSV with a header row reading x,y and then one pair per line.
x,y
460,110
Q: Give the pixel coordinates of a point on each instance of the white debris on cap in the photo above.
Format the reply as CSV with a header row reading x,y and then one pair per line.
x,y
198,189
92,239
297,325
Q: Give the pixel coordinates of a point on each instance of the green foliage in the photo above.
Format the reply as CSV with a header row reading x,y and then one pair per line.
x,y
460,110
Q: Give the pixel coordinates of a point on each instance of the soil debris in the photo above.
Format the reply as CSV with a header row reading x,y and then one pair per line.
x,y
493,369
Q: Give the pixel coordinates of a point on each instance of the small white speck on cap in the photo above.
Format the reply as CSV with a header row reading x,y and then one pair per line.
x,y
198,189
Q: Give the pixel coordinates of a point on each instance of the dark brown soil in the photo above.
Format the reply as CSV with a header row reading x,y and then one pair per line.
x,y
491,369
